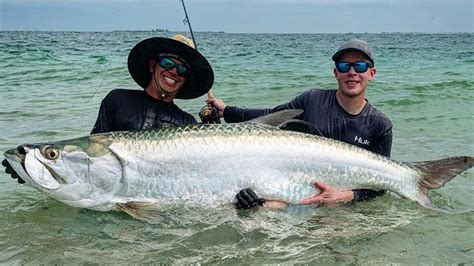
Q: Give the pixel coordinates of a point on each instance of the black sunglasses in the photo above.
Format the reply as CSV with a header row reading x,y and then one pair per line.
x,y
359,66
168,64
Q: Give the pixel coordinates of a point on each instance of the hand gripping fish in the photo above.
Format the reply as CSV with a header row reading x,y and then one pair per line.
x,y
140,172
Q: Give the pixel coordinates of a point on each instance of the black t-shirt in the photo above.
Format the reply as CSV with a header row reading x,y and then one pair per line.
x,y
123,110
370,129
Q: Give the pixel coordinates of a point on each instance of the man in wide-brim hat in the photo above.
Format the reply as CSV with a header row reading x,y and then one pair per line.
x,y
166,68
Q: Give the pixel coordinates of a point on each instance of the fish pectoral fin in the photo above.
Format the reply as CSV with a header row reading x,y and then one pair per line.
x,y
146,211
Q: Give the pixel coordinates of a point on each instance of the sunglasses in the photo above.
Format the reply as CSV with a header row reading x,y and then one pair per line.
x,y
359,66
168,64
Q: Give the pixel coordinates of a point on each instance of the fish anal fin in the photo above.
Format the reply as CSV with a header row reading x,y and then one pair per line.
x,y
146,211
422,198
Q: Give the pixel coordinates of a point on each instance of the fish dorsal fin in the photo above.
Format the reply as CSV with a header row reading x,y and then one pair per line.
x,y
277,118
300,126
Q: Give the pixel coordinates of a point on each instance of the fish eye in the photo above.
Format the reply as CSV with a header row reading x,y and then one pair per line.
x,y
51,153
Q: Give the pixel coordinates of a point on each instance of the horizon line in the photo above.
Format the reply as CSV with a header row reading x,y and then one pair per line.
x,y
204,31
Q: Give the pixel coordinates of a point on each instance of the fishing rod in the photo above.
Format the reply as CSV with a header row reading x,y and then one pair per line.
x,y
208,113
187,21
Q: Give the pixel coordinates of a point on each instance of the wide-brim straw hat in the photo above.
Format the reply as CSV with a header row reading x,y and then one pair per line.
x,y
200,78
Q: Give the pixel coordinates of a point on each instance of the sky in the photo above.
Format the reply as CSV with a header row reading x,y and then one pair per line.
x,y
240,16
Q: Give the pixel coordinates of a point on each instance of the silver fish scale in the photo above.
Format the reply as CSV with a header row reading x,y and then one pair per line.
x,y
209,164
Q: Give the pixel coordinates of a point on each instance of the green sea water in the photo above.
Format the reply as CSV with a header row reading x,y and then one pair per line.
x,y
51,85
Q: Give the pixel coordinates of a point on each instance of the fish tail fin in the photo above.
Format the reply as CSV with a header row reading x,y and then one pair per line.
x,y
437,173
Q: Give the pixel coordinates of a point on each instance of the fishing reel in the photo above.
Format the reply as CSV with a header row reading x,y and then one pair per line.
x,y
209,115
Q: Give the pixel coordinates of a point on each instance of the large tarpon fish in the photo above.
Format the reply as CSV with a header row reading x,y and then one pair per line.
x,y
207,164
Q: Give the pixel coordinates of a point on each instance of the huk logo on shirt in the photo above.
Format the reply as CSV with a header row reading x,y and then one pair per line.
x,y
361,141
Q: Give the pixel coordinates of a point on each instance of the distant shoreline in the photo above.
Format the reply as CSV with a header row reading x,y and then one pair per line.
x,y
87,31
223,32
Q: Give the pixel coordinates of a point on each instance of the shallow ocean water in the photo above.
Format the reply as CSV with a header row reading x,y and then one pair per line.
x,y
51,87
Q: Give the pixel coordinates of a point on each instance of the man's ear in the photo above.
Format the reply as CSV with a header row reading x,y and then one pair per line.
x,y
373,71
152,65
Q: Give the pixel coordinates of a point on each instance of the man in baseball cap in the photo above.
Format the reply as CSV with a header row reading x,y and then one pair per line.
x,y
165,69
342,114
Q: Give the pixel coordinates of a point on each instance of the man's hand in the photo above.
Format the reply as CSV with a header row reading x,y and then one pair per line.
x,y
247,198
9,170
328,195
219,104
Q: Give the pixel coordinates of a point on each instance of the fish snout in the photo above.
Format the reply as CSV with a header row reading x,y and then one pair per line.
x,y
19,153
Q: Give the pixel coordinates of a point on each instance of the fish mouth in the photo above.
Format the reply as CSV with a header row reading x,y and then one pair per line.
x,y
17,155
16,159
